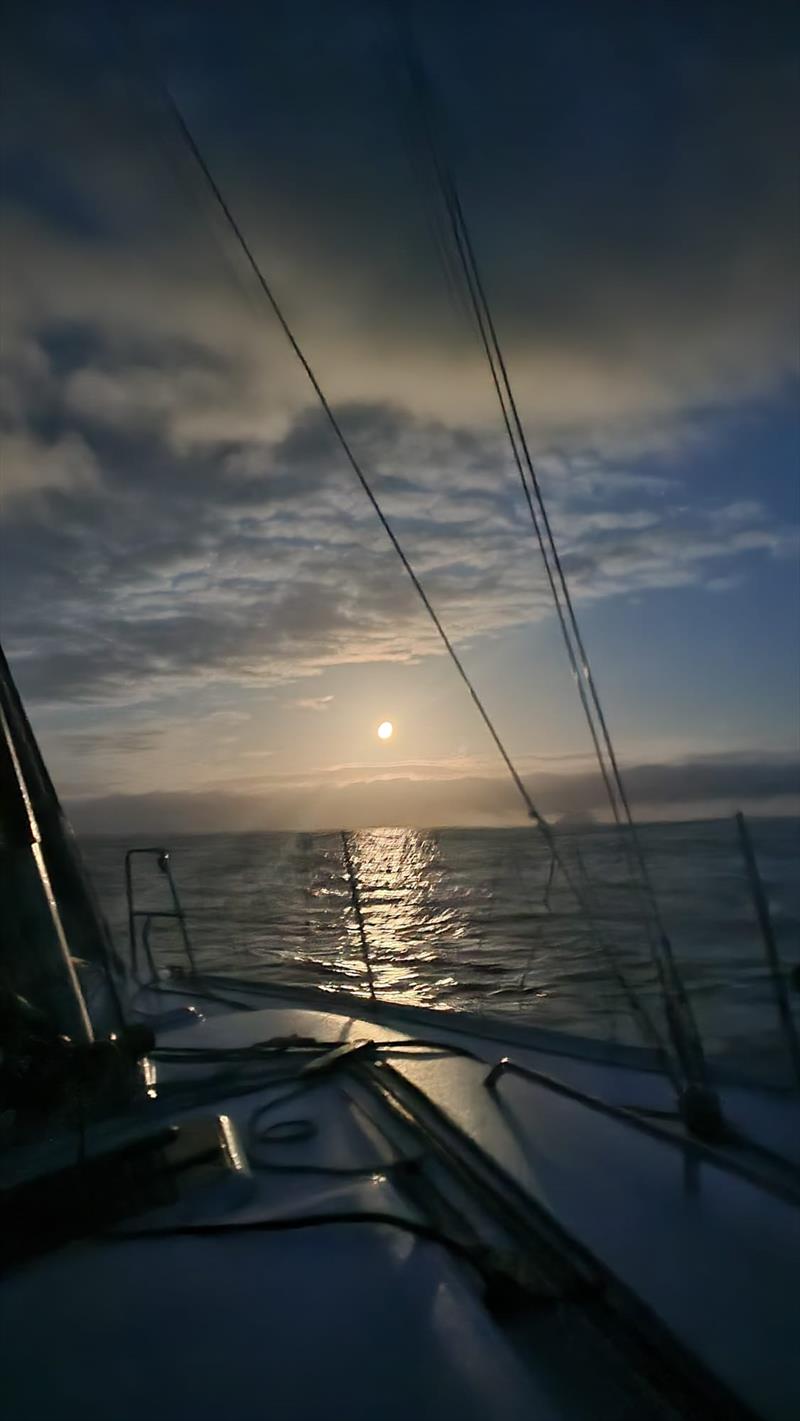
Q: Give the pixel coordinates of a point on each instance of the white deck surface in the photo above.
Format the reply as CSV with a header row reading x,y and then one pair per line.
x,y
373,1323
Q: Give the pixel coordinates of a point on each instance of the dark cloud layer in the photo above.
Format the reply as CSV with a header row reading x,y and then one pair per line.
x,y
175,514
718,785
265,562
629,169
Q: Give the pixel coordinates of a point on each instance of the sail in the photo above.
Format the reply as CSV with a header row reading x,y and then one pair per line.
x,y
55,949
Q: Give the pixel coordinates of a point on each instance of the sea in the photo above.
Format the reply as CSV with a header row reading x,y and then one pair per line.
x,y
484,920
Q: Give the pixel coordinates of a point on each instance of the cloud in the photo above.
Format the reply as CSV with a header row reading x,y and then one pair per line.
x,y
178,519
696,787
259,565
29,465
96,743
312,703
635,279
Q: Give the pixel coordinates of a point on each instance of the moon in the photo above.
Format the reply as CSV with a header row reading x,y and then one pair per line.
x,y
385,730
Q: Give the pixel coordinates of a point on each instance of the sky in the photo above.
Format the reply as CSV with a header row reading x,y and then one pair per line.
x,y
204,617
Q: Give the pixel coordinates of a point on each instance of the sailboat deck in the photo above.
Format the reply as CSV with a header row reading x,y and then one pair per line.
x,y
289,1301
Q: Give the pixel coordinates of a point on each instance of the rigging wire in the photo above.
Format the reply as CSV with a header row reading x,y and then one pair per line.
x,y
484,319
548,888
348,451
683,1029
647,1023
484,322
533,812
481,313
666,967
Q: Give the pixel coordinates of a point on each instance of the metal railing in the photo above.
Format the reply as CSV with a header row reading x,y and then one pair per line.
x,y
146,915
357,889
